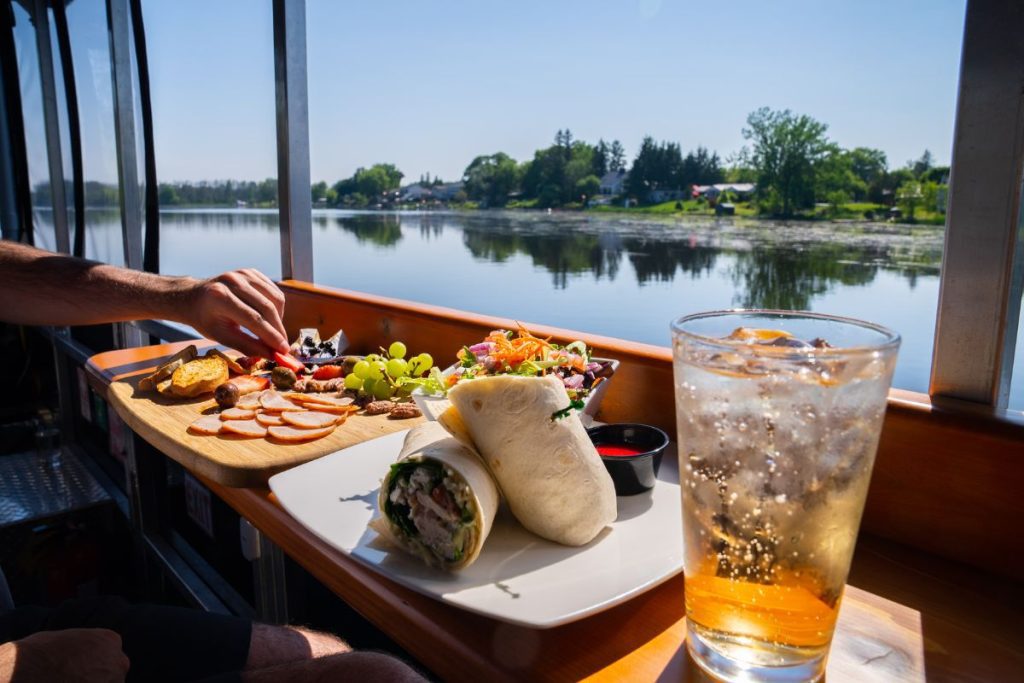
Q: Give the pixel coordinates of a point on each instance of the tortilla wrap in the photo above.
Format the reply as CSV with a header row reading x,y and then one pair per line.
x,y
430,444
548,469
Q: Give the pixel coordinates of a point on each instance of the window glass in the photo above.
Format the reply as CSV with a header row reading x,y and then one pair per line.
x,y
608,169
211,69
35,129
1016,401
90,52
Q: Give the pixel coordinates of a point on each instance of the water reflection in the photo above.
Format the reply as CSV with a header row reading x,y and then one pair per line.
x,y
773,265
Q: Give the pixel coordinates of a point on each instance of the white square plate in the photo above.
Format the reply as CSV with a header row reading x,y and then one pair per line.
x,y
518,577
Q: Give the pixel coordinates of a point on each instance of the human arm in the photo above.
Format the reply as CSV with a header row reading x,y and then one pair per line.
x,y
77,654
42,288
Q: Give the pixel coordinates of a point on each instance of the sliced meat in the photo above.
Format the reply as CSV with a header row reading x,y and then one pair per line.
x,y
310,419
288,433
322,399
237,414
269,419
207,424
250,428
273,401
249,401
335,410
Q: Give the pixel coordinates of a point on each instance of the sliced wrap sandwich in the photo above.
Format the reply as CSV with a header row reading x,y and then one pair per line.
x,y
438,500
539,453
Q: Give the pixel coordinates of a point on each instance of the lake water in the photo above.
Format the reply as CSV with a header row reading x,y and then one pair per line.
x,y
615,275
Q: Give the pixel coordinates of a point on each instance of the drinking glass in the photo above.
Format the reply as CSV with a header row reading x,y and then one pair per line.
x,y
778,416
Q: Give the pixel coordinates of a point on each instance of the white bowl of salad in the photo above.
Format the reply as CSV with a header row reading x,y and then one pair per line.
x,y
521,353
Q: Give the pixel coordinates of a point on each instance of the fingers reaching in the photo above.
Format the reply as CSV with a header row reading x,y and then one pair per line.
x,y
244,299
236,338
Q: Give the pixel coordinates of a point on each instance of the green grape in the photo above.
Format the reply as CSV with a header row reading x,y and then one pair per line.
x,y
396,350
426,361
361,369
382,390
368,384
377,369
353,381
397,367
373,357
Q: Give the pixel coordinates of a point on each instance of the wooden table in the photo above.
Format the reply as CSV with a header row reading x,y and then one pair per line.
x,y
907,616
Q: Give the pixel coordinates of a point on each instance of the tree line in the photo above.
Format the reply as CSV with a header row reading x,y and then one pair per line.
x,y
788,156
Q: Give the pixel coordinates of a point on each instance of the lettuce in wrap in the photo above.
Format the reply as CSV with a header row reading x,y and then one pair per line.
x,y
438,500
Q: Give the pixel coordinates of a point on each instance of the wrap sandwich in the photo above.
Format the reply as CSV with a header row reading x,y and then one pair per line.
x,y
438,500
539,453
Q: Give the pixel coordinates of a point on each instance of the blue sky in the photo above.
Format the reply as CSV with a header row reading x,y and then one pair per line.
x,y
428,86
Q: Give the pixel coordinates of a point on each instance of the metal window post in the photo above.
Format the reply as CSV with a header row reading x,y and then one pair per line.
x,y
293,189
119,22
982,269
55,158
51,123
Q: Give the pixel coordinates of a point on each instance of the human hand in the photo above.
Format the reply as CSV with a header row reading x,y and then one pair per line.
x,y
89,655
220,307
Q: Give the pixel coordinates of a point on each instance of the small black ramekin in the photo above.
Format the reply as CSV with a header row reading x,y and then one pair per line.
x,y
632,474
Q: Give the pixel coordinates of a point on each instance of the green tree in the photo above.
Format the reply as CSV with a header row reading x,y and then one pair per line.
x,y
552,175
786,150
319,191
616,157
910,197
701,167
602,154
922,165
657,166
868,164
168,195
490,179
587,187
835,179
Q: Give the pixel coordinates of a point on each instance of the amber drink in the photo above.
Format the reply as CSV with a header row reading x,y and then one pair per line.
x,y
779,415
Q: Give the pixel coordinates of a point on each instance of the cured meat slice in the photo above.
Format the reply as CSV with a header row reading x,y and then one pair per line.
x,y
275,402
250,428
336,410
270,419
249,401
321,399
289,433
207,424
237,414
310,419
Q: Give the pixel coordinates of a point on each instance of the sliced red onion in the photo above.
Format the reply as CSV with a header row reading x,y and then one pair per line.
x,y
573,381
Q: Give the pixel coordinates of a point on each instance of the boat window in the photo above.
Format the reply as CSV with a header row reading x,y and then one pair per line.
x,y
90,50
211,69
35,130
399,126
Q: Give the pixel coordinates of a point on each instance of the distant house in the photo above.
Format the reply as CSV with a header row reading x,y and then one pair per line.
x,y
613,182
416,193
446,192
741,190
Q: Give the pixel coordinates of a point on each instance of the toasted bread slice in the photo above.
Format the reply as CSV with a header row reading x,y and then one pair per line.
x,y
233,365
200,376
167,369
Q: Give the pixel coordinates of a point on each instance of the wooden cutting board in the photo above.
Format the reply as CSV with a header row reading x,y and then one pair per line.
x,y
230,460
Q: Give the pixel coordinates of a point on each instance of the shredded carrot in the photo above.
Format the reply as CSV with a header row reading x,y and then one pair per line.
x,y
511,352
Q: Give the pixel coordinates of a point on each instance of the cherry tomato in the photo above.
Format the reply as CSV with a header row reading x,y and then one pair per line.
x,y
328,372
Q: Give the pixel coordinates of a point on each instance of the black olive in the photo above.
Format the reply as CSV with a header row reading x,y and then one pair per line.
x,y
283,378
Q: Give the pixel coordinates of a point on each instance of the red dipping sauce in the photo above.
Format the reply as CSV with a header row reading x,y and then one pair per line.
x,y
617,450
